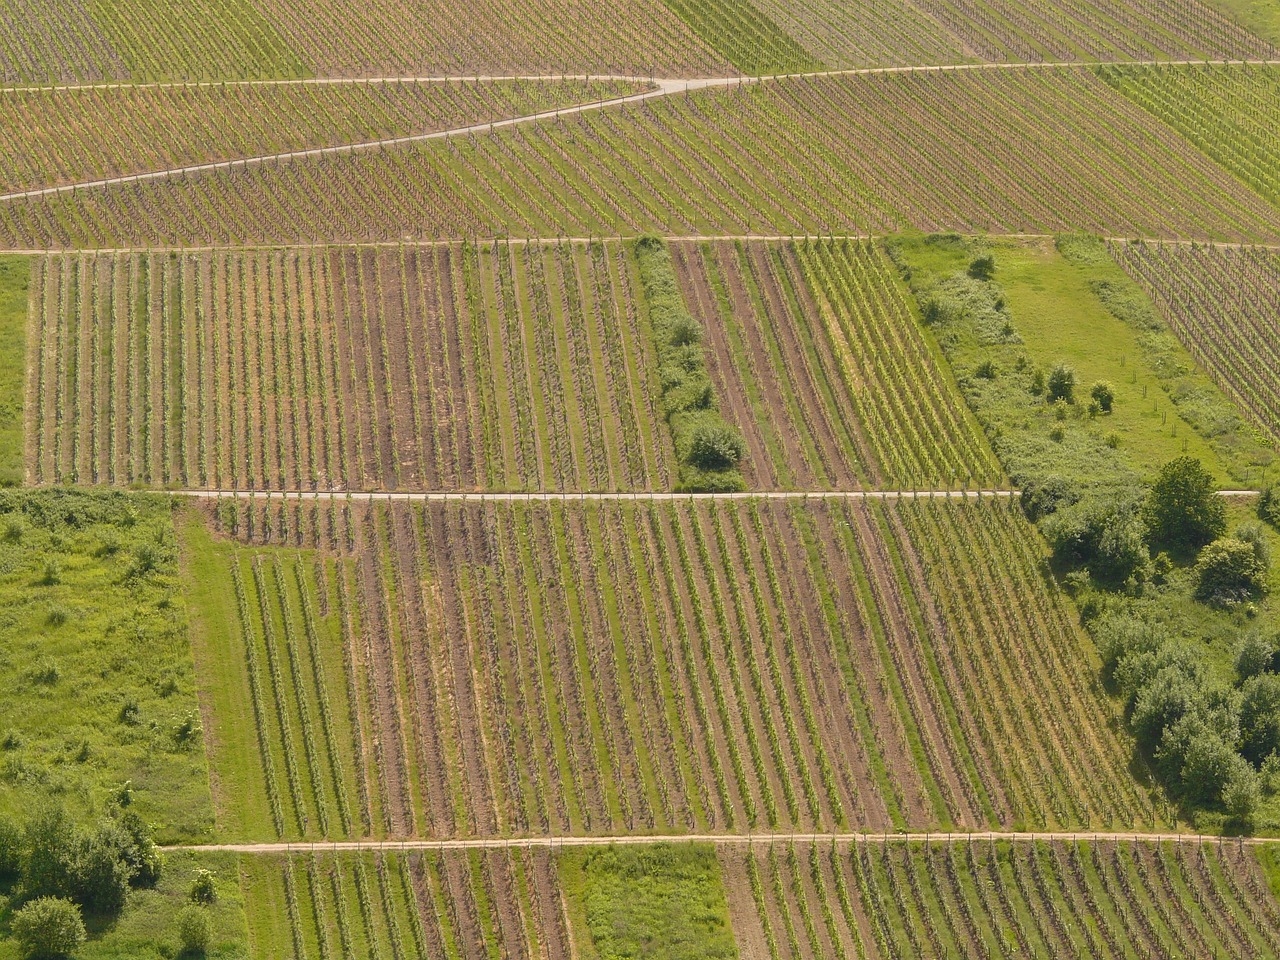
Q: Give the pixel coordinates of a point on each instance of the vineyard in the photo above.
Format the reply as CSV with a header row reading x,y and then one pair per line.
x,y
411,906
60,137
1230,113
821,364
1033,150
982,899
446,669
208,40
1222,302
441,367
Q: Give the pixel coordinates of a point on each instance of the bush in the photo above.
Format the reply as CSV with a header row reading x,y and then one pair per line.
x,y
1103,532
1269,505
91,869
1228,572
52,575
715,447
48,927
983,267
1062,384
10,848
203,889
1104,395
1183,508
1241,792
194,930
1256,656
1256,537
1046,495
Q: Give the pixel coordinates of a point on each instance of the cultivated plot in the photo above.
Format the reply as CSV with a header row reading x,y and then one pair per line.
x,y
1028,150
437,367
1224,304
977,899
449,670
57,137
821,364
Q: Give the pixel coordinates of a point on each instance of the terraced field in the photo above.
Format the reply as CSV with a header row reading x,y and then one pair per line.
x,y
1032,150
1223,303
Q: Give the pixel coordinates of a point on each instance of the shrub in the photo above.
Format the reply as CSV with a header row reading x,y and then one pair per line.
x,y
10,848
146,558
203,889
1255,656
91,869
986,370
1269,505
1256,537
47,928
1045,495
715,447
684,331
1104,395
194,929
1229,571
982,267
1103,532
52,575
1183,508
1062,383
1241,792
1037,382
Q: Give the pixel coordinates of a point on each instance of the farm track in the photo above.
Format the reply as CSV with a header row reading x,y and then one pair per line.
x,y
722,840
554,241
377,496
663,87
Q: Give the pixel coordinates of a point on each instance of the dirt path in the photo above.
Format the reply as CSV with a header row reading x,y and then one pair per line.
x,y
720,840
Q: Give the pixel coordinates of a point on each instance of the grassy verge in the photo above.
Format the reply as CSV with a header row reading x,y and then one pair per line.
x,y
661,901
14,276
99,683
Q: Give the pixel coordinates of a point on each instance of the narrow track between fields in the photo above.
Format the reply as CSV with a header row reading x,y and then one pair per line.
x,y
559,496
718,839
663,87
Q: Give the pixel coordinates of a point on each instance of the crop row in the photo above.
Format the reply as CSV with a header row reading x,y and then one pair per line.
x,y
436,367
470,905
1230,112
71,136
819,361
980,899
205,40
1222,302
1033,150
674,667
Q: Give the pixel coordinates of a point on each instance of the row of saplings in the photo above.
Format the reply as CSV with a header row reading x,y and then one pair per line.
x,y
54,873
1214,744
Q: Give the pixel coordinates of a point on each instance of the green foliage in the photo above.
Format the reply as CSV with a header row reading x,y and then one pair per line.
x,y
1229,571
48,928
14,277
1102,531
194,929
1062,383
10,848
1269,505
662,901
1183,509
1104,395
982,267
1257,655
708,448
1260,717
203,888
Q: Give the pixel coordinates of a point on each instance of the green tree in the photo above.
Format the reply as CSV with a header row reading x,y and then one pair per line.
x,y
10,848
1255,656
47,928
982,267
716,447
1062,384
1269,505
1260,717
1183,508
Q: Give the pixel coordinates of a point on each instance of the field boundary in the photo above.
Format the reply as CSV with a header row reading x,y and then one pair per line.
x,y
719,840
